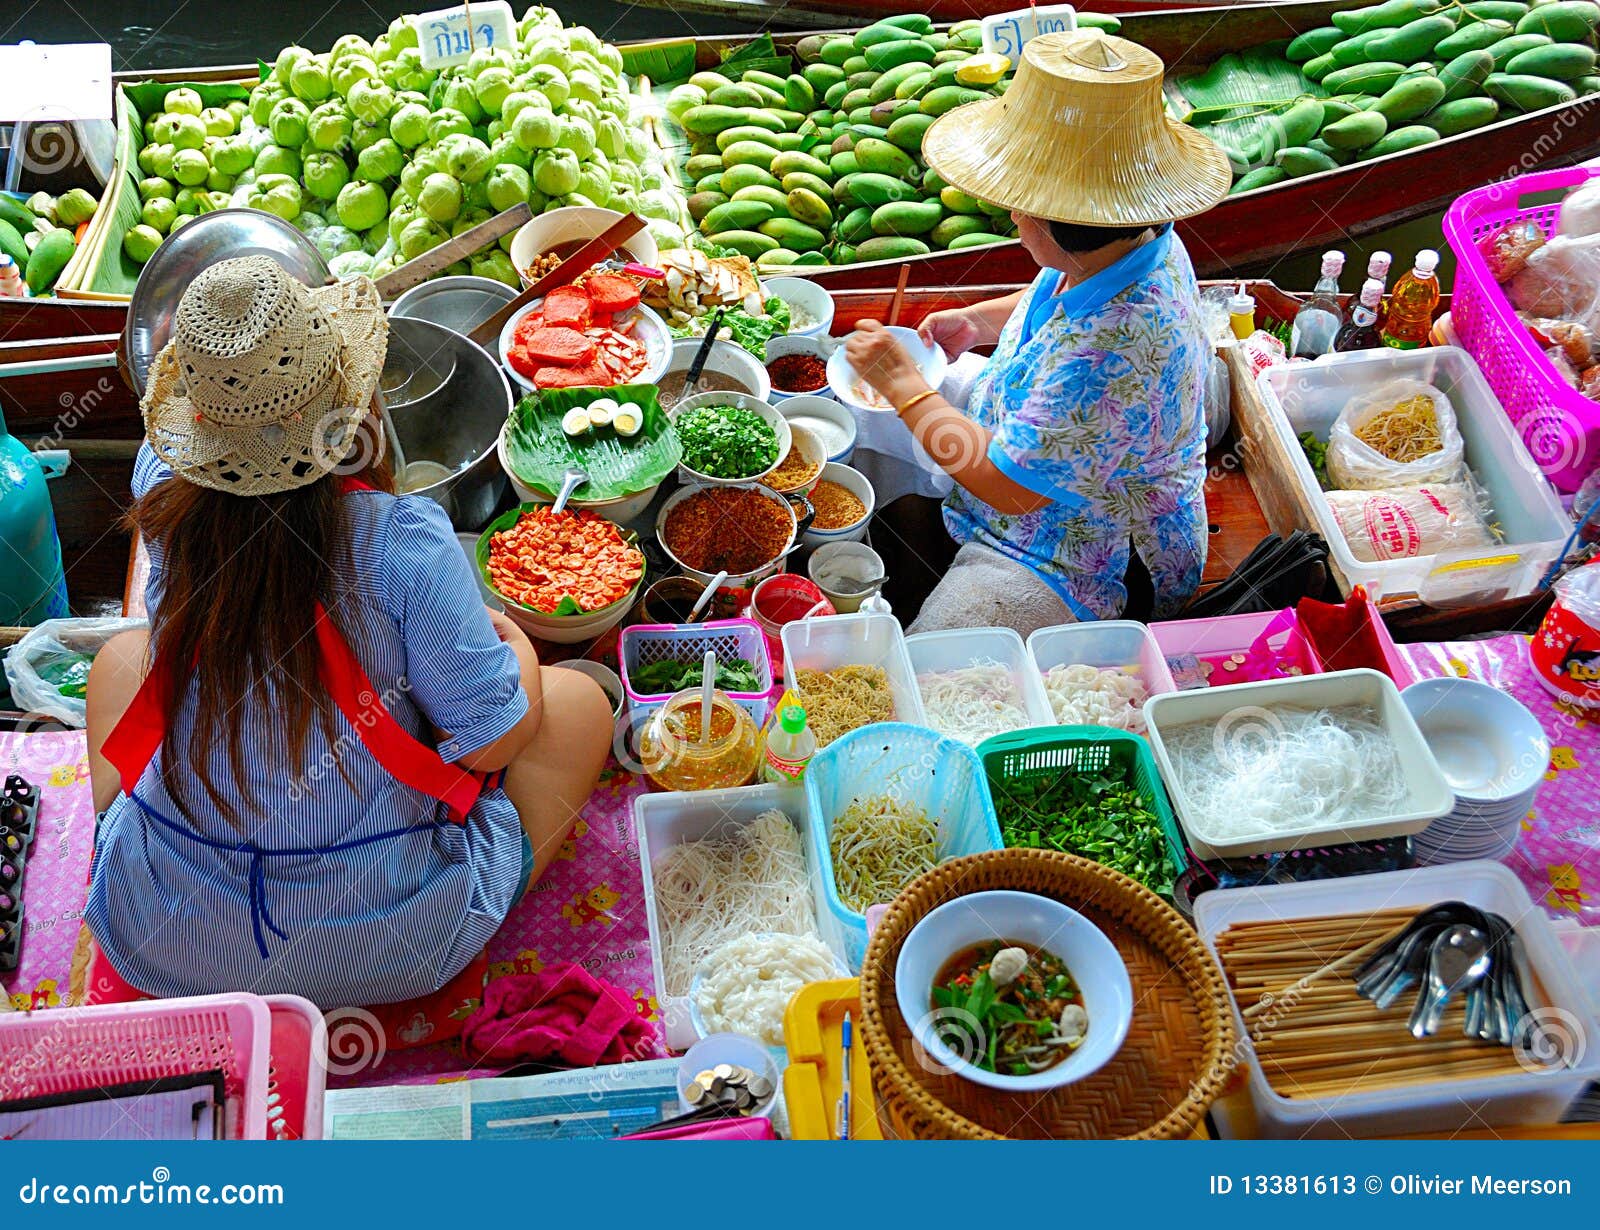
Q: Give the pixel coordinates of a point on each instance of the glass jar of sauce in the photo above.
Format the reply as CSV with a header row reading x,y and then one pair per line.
x,y
675,758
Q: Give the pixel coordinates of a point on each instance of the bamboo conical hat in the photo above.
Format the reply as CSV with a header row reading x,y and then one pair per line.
x,y
1080,136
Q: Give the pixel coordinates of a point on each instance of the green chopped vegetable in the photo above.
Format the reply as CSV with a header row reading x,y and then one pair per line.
x,y
1316,452
657,678
726,441
751,332
1099,816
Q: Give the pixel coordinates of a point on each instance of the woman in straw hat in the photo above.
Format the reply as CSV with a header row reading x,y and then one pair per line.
x,y
327,770
1083,439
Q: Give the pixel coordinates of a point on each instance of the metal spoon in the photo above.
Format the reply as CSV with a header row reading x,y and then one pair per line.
x,y
1412,964
1458,958
571,480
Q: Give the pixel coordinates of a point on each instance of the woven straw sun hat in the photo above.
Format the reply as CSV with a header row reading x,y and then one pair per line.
x,y
1080,136
265,381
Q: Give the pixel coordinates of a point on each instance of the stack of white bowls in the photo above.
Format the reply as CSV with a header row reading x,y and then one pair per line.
x,y
1493,753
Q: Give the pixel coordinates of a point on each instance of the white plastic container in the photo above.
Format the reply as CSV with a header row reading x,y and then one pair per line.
x,y
1310,396
1110,644
665,820
1428,796
826,642
958,648
1520,1099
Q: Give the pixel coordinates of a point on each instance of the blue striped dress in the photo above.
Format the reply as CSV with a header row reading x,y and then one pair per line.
x,y
379,923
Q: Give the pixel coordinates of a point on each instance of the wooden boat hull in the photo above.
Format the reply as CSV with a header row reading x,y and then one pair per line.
x,y
1241,232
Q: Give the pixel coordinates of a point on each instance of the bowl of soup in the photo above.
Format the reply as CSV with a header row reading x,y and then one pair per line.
x,y
1014,991
854,391
554,236
730,368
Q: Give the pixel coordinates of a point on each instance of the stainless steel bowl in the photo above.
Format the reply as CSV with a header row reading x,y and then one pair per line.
x,y
459,303
457,425
219,236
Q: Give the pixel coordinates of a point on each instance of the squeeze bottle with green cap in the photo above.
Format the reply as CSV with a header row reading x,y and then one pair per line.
x,y
1242,313
790,747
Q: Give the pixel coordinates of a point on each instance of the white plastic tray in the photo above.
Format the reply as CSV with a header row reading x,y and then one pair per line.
x,y
664,820
1310,396
958,648
1429,795
1525,1098
826,642
1108,645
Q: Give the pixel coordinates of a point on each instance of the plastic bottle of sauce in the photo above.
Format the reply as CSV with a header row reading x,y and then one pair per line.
x,y
790,747
1378,270
11,284
1361,333
1320,318
1412,304
1242,313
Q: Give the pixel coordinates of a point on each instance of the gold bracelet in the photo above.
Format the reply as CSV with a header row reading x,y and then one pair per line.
x,y
922,396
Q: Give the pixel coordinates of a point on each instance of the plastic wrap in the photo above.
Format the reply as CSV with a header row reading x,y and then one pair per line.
x,y
1354,465
48,667
1580,211
1406,522
1561,279
1219,401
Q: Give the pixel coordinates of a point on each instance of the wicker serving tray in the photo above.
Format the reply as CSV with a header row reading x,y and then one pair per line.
x,y
1180,1049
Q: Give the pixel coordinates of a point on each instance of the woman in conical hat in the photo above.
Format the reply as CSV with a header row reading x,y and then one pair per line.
x,y
1082,443
327,770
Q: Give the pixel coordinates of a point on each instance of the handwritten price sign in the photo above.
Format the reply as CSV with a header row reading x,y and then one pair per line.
x,y
1008,33
448,36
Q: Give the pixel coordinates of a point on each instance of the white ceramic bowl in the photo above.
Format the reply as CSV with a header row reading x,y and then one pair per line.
x,y
809,295
1488,745
648,328
728,358
796,343
798,409
855,481
562,629
842,377
1035,921
574,223
621,510
780,426
610,683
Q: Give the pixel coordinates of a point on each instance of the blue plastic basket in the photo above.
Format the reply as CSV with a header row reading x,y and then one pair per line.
x,y
943,777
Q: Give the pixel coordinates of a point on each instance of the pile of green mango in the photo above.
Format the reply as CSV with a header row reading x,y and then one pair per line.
x,y
39,234
1406,73
824,166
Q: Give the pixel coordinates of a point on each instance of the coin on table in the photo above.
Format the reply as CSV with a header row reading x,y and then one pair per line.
x,y
724,1070
760,1088
695,1093
705,1077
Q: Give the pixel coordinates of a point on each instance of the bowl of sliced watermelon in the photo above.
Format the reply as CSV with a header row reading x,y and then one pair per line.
x,y
593,333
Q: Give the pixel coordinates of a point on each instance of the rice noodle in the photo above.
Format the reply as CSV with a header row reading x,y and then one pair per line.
x,y
879,845
747,983
1276,770
974,702
1092,696
709,891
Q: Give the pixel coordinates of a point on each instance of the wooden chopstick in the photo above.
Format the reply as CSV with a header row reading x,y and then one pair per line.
x,y
436,260
597,249
899,295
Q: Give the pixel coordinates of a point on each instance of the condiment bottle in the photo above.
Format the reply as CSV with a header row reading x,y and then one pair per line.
x,y
1378,270
1242,313
675,757
1319,319
11,284
1412,304
790,747
1362,331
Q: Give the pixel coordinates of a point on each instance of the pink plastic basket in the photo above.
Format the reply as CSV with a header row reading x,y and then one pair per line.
x,y
297,1072
643,644
1560,426
70,1050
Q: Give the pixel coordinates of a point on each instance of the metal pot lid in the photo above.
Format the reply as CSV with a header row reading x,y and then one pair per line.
x,y
222,235
460,303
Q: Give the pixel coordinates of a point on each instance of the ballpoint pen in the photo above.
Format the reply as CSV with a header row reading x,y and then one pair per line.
x,y
844,1080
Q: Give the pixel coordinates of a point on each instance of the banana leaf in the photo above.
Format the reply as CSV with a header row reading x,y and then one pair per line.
x,y
540,452
668,60
1234,99
759,53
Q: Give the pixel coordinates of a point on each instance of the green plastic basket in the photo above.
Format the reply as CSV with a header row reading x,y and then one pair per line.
x,y
1050,751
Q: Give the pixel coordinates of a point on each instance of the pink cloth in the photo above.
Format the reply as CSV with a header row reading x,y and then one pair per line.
x,y
562,1013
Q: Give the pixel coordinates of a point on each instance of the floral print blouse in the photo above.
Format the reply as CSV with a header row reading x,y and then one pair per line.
x,y
1094,398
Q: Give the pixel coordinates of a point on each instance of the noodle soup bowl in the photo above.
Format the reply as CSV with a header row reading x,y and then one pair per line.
x,y
1034,922
845,383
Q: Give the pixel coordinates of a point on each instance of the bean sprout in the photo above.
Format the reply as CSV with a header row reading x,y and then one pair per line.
x,y
879,845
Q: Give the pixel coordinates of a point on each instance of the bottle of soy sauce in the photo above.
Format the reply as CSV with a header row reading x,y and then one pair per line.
x,y
1360,332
